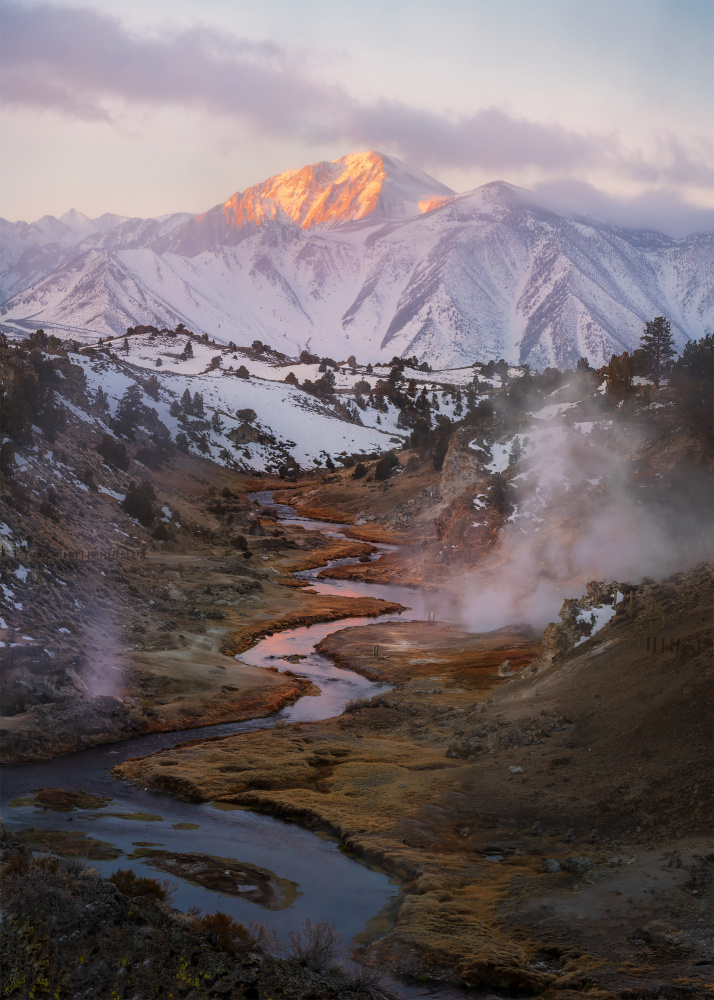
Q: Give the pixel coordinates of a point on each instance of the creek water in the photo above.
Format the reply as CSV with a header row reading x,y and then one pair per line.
x,y
327,884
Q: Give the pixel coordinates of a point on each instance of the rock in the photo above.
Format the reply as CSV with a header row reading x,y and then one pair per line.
x,y
578,865
504,669
550,866
515,769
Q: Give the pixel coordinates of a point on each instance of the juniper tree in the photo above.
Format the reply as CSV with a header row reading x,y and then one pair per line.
x,y
658,346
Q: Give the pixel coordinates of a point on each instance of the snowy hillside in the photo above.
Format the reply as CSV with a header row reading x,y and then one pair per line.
x,y
285,420
362,256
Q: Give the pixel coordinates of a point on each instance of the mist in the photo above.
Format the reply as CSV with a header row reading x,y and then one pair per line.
x,y
585,508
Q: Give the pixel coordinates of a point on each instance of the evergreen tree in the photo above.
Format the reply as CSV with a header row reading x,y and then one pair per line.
x,y
101,399
130,405
187,403
198,410
188,349
618,375
658,344
693,381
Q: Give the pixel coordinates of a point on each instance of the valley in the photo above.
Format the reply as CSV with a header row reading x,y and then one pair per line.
x,y
456,623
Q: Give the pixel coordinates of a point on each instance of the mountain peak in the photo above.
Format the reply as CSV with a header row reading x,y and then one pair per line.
x,y
331,193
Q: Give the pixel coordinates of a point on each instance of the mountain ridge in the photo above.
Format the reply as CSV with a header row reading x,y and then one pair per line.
x,y
365,256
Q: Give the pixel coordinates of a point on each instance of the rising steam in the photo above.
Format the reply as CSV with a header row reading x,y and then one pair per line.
x,y
586,506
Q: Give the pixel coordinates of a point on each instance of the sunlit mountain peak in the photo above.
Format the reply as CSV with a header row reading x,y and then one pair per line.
x,y
356,186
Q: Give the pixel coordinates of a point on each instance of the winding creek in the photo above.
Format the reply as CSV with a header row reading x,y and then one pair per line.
x,y
321,881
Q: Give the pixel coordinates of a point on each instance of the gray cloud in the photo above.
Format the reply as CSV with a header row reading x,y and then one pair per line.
x,y
79,62
661,209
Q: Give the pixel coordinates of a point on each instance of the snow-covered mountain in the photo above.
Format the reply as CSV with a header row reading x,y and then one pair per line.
x,y
365,256
31,251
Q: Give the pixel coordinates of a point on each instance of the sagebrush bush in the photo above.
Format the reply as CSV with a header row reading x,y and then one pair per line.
x,y
223,933
315,947
357,704
137,887
367,979
41,884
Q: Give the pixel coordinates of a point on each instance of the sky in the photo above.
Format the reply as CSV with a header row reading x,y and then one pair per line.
x,y
146,107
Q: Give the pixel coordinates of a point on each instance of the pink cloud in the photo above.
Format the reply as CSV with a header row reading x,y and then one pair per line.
x,y
78,62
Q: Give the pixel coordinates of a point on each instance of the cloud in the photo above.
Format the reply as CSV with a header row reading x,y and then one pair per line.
x,y
80,63
661,209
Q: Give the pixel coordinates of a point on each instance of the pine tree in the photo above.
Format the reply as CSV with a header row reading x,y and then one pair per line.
x,y
658,346
130,405
187,403
188,349
619,377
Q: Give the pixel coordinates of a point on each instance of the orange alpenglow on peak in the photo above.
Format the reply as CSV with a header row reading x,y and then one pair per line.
x,y
330,193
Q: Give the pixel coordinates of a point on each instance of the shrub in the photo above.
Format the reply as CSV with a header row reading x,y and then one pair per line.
x,y
40,884
315,947
48,511
136,886
138,502
385,466
366,979
113,452
224,934
87,478
357,704
360,471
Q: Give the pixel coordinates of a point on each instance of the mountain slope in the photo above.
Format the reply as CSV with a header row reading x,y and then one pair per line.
x,y
362,256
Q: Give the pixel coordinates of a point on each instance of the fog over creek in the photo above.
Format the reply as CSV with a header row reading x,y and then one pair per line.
x,y
329,885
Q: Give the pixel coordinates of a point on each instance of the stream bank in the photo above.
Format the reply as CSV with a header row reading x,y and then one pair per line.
x,y
142,827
